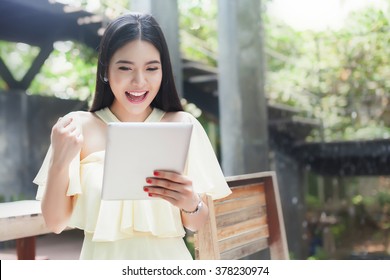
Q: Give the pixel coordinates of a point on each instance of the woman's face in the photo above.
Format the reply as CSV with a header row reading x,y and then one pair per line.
x,y
134,75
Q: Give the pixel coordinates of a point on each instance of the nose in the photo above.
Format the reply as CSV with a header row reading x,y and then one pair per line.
x,y
138,78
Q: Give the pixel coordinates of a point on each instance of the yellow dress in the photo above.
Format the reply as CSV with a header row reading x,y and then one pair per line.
x,y
139,229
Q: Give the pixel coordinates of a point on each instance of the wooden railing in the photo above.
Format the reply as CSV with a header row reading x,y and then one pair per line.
x,y
22,221
248,221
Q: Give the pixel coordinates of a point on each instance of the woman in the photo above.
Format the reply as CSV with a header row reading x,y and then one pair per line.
x,y
134,84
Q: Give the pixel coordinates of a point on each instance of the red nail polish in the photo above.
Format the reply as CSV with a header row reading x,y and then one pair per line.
x,y
156,173
146,189
149,181
149,194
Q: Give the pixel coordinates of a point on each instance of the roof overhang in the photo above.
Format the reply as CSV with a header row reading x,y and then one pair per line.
x,y
39,22
347,158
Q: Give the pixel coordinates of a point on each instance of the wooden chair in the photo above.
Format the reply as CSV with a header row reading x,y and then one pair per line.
x,y
247,221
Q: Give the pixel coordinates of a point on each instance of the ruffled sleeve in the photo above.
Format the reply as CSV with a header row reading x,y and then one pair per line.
x,y
119,219
203,166
115,220
74,186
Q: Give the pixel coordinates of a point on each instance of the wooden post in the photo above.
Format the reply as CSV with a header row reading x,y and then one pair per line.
x,y
208,248
25,248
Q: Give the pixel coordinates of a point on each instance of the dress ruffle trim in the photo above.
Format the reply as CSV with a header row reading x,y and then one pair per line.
x,y
116,220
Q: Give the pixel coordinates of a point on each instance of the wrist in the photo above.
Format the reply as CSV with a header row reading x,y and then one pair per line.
x,y
197,209
58,168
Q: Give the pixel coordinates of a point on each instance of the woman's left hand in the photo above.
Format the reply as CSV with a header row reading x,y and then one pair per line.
x,y
173,187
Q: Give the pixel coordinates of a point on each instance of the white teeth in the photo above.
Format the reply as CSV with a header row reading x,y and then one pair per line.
x,y
136,93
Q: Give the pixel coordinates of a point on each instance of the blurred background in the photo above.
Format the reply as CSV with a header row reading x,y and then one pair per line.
x,y
323,73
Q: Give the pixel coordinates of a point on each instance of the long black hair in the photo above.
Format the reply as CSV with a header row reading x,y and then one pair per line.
x,y
121,31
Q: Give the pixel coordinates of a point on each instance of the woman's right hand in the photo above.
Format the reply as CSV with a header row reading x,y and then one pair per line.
x,y
66,140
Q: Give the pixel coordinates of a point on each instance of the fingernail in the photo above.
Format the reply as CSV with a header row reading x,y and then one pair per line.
x,y
149,181
156,173
146,189
149,194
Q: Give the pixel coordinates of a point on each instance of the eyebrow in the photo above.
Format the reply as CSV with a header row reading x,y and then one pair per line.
x,y
121,61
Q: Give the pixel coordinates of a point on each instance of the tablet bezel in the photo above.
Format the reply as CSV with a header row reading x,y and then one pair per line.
x,y
134,150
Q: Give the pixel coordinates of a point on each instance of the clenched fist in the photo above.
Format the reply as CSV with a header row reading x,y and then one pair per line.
x,y
66,140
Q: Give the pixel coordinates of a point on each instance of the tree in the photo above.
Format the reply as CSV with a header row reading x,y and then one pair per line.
x,y
338,76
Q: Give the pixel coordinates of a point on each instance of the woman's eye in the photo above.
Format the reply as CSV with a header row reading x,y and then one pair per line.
x,y
124,68
152,69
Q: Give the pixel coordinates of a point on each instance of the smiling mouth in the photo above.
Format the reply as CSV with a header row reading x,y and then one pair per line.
x,y
136,96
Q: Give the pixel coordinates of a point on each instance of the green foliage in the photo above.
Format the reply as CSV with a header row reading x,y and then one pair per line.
x,y
68,73
3,85
312,202
383,199
17,57
357,199
198,30
338,230
189,241
339,77
336,76
319,255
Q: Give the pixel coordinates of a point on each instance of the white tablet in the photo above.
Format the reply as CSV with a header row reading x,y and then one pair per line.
x,y
135,150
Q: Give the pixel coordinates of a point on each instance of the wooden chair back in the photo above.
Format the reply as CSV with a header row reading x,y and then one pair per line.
x,y
247,221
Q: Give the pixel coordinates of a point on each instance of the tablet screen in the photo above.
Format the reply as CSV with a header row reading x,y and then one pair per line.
x,y
135,150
